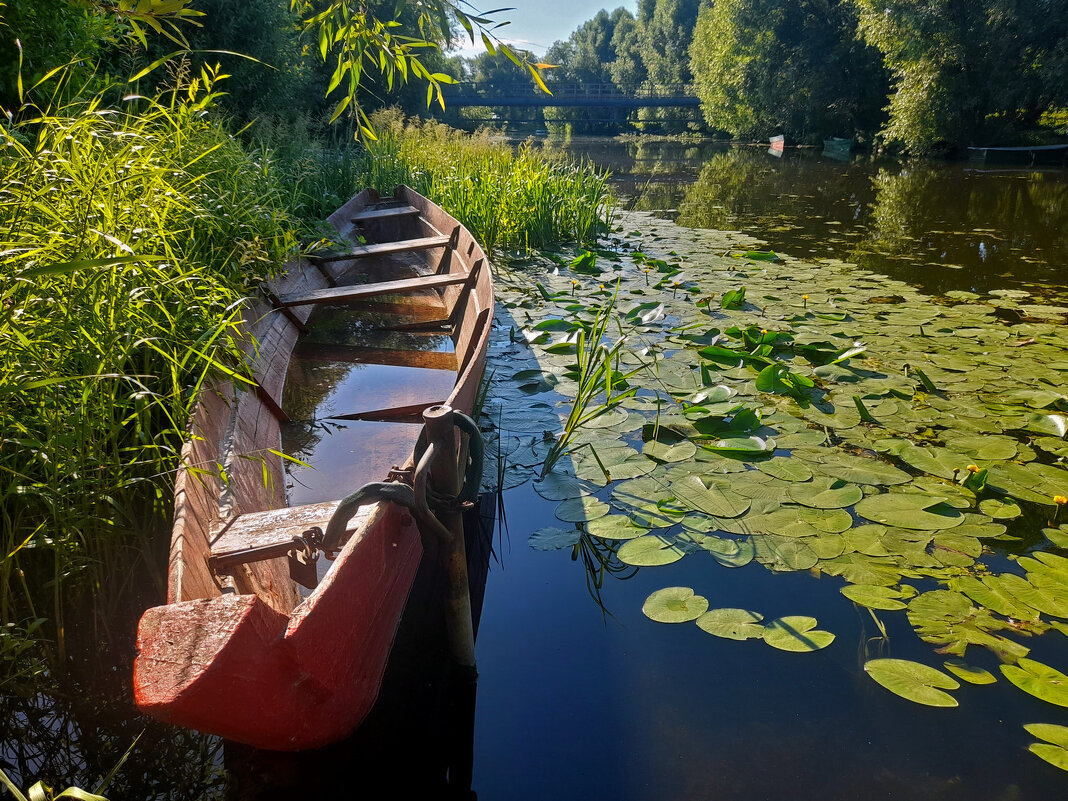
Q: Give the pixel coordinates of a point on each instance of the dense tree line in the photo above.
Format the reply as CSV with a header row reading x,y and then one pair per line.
x,y
924,75
274,68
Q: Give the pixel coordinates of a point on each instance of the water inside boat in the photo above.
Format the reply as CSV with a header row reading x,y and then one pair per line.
x,y
347,368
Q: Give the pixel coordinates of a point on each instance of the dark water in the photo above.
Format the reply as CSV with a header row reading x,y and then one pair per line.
x,y
580,696
938,225
584,698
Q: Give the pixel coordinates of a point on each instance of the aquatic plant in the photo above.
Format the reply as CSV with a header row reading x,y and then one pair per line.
x,y
130,236
898,447
509,198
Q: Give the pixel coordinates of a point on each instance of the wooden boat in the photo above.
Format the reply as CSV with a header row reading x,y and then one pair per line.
x,y
1049,155
777,144
837,147
238,650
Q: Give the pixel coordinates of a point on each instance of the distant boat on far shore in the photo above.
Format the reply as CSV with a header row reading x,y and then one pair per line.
x,y
837,148
777,145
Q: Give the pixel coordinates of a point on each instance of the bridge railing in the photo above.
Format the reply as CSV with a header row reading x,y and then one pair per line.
x,y
591,91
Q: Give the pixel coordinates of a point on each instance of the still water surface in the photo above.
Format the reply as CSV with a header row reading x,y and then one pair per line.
x,y
586,700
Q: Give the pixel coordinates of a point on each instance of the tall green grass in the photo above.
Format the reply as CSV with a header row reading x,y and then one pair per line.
x,y
509,198
128,237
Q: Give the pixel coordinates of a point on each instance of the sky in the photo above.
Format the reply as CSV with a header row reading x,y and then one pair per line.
x,y
536,24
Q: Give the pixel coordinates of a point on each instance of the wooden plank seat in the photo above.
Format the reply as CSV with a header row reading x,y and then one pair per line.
x,y
387,248
342,294
378,214
429,359
273,527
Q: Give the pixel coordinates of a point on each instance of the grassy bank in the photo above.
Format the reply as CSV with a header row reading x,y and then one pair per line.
x,y
130,236
508,198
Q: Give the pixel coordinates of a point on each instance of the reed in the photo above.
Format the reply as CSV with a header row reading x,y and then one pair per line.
x,y
509,198
129,237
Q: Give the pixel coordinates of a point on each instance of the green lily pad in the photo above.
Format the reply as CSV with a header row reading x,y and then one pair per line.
x,y
743,446
552,538
674,605
863,471
995,594
873,596
909,510
786,469
1051,733
663,452
825,493
796,633
913,681
969,673
1055,425
729,552
1055,748
732,624
561,487
615,527
1041,681
948,619
650,551
713,499
578,510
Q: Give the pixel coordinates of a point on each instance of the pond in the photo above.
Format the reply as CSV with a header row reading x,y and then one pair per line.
x,y
926,305
952,281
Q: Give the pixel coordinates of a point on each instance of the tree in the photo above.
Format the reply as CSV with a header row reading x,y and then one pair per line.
x,y
767,66
361,43
586,58
968,71
627,69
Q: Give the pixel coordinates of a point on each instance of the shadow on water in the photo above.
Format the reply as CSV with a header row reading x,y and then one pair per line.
x,y
937,225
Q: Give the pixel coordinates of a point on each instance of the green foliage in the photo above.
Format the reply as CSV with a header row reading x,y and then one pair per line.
x,y
130,235
967,73
764,67
388,51
508,198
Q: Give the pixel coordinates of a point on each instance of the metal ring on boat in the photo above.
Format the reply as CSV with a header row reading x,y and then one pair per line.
x,y
476,455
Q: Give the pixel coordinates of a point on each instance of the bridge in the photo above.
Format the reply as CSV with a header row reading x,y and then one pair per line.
x,y
569,95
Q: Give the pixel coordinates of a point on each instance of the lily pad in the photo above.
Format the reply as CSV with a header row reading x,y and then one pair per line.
x,y
825,493
561,487
969,673
909,510
1039,680
732,624
1055,748
873,596
913,681
674,605
552,538
796,633
728,552
713,499
786,469
650,551
578,510
615,527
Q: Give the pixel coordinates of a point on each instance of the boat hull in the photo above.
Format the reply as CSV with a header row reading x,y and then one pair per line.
x,y
236,651
232,666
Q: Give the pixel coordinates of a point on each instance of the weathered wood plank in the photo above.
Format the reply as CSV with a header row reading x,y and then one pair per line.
x,y
343,294
386,248
378,214
431,359
276,526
